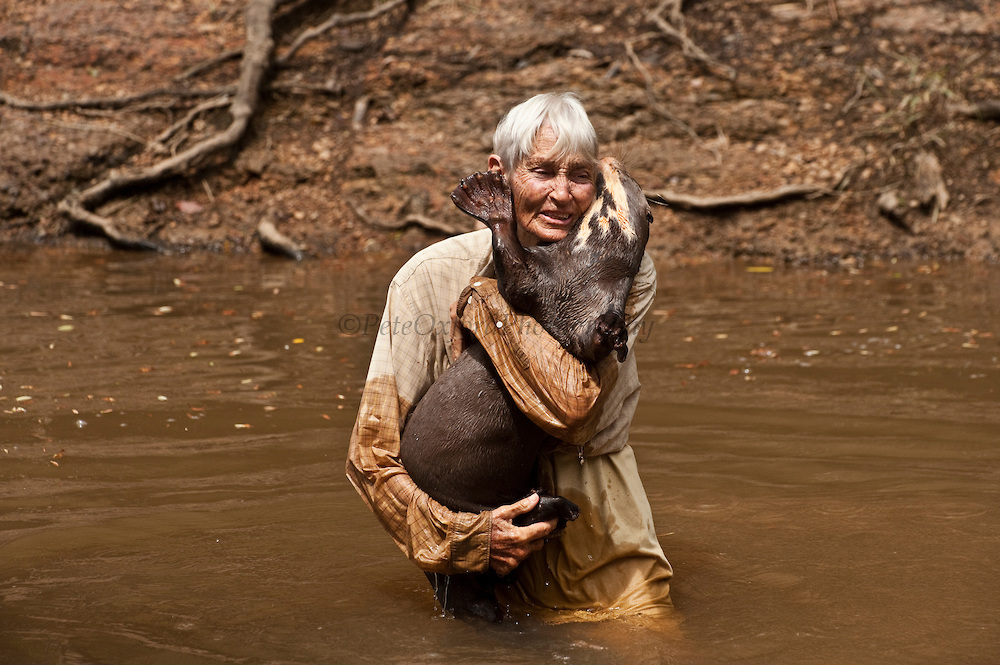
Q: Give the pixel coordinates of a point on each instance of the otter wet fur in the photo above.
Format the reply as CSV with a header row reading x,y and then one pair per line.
x,y
466,443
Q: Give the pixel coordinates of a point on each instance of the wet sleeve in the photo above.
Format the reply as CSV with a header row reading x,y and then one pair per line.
x,y
568,399
429,534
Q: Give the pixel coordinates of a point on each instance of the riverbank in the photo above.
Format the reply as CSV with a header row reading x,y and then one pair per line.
x,y
360,137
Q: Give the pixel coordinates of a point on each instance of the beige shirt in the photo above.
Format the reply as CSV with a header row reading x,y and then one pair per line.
x,y
557,391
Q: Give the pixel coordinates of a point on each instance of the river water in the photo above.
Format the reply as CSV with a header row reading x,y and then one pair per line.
x,y
821,451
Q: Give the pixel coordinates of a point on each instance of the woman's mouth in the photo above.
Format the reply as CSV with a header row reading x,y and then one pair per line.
x,y
558,218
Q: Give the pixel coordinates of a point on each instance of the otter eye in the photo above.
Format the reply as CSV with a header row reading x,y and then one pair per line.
x,y
649,218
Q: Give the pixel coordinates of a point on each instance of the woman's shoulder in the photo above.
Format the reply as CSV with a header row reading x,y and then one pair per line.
x,y
465,254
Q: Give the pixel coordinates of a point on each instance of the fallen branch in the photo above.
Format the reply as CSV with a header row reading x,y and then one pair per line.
x,y
744,200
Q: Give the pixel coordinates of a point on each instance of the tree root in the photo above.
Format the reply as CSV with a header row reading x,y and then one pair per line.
x,y
744,200
417,219
104,226
258,62
274,241
655,104
107,102
988,110
674,28
256,59
335,21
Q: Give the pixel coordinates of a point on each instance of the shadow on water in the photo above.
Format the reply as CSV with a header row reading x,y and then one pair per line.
x,y
820,451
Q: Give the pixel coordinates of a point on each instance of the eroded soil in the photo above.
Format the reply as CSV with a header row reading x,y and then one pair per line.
x,y
374,123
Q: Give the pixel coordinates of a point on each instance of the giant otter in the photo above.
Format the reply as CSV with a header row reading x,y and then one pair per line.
x,y
466,443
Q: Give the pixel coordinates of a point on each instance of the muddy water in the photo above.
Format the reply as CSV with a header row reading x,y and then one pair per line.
x,y
821,452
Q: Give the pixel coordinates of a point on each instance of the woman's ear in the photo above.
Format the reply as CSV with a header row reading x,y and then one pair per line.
x,y
495,164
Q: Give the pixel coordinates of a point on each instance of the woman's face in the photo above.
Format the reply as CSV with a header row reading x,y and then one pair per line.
x,y
550,194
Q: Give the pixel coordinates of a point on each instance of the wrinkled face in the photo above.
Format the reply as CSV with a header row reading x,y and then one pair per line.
x,y
550,194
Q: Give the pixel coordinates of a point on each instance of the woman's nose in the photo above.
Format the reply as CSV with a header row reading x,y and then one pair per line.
x,y
561,187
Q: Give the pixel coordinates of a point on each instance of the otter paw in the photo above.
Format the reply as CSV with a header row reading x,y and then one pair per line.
x,y
486,196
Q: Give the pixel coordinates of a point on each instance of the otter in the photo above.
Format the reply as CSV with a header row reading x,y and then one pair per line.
x,y
466,443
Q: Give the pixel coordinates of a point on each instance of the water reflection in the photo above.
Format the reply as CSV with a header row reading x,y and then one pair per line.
x,y
819,450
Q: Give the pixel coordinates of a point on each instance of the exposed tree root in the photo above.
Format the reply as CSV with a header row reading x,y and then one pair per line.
x,y
103,226
335,21
274,241
744,200
654,102
258,62
673,27
417,219
256,59
107,102
988,110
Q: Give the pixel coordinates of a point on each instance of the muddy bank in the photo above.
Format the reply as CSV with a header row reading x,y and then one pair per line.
x,y
359,138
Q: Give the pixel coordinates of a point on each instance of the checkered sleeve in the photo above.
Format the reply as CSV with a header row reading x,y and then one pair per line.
x,y
429,534
575,403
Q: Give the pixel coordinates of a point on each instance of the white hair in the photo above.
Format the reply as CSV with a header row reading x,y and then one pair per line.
x,y
514,139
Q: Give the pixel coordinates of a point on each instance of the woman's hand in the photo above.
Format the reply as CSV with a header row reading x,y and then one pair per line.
x,y
510,545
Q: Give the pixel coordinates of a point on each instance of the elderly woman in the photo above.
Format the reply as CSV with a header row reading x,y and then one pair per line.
x,y
609,559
